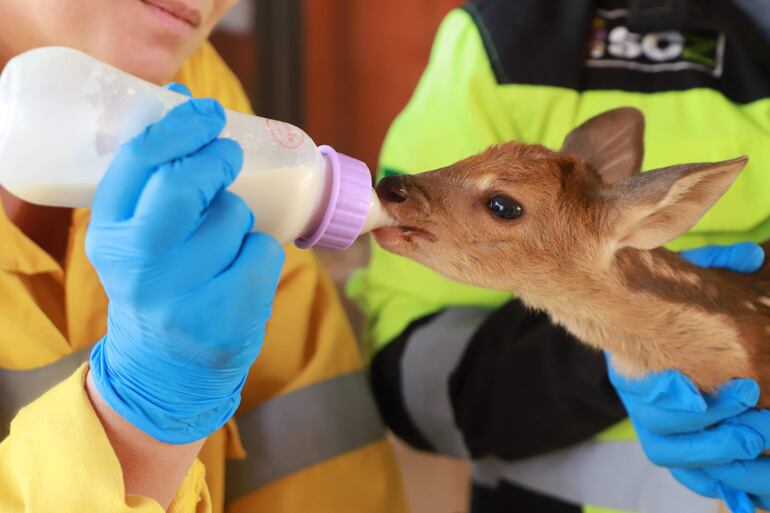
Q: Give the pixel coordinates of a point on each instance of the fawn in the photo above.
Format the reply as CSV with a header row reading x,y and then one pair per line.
x,y
576,233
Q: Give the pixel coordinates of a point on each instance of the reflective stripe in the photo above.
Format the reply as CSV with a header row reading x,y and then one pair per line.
x,y
433,352
614,475
281,436
18,388
303,428
606,474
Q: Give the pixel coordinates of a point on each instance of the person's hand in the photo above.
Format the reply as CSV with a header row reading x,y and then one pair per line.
x,y
190,288
711,443
743,257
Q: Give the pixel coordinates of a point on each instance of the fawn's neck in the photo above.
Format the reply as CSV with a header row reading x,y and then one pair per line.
x,y
651,310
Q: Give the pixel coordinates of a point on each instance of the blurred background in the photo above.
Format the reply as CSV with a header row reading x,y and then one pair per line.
x,y
342,70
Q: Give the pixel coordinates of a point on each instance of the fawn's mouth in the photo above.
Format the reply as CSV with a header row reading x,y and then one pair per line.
x,y
406,233
400,232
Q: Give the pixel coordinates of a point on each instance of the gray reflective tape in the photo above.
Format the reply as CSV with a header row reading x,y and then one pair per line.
x,y
615,475
281,436
303,428
430,357
18,388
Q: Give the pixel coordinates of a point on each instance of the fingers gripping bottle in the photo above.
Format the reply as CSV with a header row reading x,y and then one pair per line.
x,y
64,115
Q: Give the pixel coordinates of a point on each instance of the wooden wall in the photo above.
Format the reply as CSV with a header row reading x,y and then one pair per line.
x,y
362,61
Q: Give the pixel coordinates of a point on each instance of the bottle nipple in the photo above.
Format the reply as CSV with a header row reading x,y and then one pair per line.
x,y
377,217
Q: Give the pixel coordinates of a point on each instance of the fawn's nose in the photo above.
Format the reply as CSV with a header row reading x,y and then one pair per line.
x,y
391,189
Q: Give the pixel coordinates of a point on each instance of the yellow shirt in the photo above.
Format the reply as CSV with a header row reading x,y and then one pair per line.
x,y
57,457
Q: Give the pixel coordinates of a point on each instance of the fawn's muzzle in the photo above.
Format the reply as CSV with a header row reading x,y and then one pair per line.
x,y
392,189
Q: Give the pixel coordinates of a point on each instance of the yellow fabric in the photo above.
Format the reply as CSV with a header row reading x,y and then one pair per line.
x,y
57,450
331,486
39,473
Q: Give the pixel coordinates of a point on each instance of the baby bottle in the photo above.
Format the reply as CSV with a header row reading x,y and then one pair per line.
x,y
64,115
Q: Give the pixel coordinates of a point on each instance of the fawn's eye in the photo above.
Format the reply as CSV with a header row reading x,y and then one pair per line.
x,y
504,207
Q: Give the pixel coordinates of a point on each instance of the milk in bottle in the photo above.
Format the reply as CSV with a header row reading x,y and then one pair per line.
x,y
65,114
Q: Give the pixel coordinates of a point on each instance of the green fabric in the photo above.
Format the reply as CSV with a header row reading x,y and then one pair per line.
x,y
458,109
442,124
596,509
623,431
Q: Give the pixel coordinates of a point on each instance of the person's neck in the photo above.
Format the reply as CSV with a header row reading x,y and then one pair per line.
x,y
48,227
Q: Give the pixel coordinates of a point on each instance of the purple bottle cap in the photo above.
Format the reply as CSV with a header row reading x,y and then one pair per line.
x,y
348,204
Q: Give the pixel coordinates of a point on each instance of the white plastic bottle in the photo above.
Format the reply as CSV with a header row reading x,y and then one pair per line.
x,y
64,114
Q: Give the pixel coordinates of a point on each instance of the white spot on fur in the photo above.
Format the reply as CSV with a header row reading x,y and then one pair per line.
x,y
484,182
765,300
751,306
692,279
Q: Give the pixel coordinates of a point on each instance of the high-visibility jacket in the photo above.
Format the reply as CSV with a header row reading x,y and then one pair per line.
x,y
307,436
466,371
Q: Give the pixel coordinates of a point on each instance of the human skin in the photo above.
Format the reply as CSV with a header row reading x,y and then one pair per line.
x,y
149,39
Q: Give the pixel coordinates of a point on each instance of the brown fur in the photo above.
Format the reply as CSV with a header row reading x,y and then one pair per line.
x,y
586,249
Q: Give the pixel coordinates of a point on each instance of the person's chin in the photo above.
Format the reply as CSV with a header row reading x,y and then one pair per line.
x,y
154,63
158,67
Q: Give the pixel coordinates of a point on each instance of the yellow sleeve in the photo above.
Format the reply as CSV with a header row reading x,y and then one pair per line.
x,y
57,458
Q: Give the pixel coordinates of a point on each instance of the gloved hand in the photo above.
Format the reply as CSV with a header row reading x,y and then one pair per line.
x,y
190,288
711,443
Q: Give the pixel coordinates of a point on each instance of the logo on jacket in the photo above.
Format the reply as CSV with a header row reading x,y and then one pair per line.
x,y
613,45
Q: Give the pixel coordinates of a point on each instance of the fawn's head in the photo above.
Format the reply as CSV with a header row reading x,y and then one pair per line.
x,y
520,216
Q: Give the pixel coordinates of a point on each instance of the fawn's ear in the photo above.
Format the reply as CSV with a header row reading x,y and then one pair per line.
x,y
612,143
656,207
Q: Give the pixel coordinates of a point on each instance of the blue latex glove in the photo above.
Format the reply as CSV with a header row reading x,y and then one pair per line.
x,y
190,288
743,257
711,443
